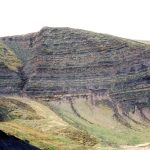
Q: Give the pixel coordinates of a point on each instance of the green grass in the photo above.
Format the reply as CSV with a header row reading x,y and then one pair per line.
x,y
43,128
11,109
46,130
113,137
8,57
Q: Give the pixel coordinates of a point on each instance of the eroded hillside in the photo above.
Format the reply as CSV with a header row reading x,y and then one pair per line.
x,y
102,68
83,76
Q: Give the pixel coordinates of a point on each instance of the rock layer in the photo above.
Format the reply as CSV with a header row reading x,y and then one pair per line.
x,y
59,61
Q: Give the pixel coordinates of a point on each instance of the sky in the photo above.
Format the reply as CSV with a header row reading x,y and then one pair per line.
x,y
124,18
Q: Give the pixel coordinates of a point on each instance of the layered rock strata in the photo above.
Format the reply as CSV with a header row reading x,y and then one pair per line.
x,y
61,61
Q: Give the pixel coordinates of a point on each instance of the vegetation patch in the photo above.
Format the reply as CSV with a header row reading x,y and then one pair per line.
x,y
108,137
12,109
8,57
44,129
79,136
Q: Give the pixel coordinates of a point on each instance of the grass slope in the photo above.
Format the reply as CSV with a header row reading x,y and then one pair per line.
x,y
37,123
99,121
32,121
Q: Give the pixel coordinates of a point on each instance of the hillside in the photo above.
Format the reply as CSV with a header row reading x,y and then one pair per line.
x,y
40,126
95,82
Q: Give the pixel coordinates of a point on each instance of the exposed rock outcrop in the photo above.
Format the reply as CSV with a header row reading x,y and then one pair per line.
x,y
60,61
9,80
9,64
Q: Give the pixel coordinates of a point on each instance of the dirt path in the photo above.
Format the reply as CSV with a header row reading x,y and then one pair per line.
x,y
145,146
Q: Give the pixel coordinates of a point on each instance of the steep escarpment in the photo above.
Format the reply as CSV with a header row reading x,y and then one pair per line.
x,y
101,68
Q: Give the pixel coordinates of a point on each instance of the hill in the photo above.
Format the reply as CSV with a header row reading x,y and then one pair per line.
x,y
97,83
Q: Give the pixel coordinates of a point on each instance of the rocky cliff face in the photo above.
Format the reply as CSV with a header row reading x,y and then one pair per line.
x,y
9,81
101,68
